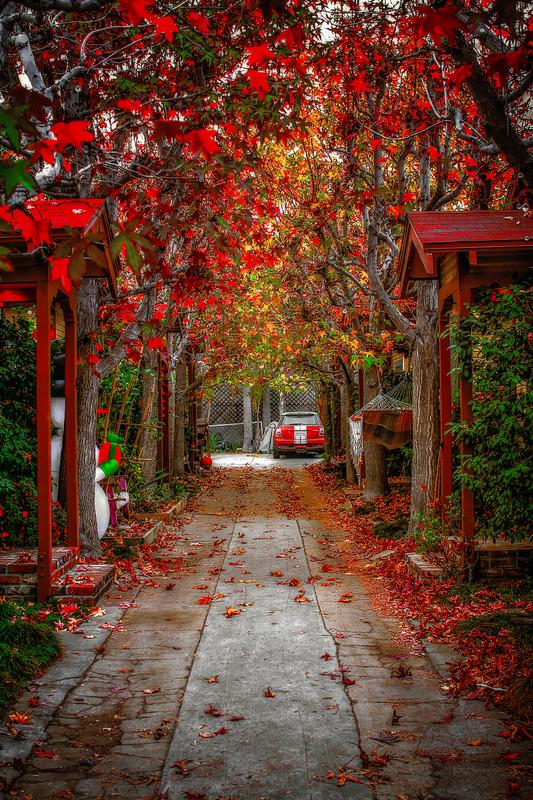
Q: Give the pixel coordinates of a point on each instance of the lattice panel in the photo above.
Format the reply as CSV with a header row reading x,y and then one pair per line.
x,y
301,400
226,407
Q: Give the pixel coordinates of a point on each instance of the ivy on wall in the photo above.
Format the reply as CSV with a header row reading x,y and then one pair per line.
x,y
493,348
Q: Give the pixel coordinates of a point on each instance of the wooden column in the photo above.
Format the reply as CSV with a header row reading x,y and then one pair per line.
x,y
71,429
446,466
465,395
44,469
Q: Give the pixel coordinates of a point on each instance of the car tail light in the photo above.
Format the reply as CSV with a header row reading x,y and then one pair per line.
x,y
321,431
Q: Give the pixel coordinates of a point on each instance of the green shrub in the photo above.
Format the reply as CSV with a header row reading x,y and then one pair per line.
x,y
27,645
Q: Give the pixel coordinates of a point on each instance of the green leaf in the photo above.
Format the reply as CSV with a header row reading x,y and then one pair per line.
x,y
14,172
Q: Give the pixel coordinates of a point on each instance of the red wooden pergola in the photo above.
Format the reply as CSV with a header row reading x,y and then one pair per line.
x,y
463,251
30,283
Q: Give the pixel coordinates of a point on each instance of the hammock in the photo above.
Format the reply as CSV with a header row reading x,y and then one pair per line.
x,y
386,419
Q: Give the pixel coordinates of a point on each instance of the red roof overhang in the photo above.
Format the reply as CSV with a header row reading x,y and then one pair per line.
x,y
429,235
46,221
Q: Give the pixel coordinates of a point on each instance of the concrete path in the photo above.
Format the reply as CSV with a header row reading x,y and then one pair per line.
x,y
285,699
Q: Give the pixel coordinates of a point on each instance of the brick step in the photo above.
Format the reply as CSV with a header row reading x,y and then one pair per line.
x,y
84,583
23,561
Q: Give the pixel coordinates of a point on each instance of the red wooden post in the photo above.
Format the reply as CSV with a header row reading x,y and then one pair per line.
x,y
193,454
71,429
44,469
445,412
164,418
465,396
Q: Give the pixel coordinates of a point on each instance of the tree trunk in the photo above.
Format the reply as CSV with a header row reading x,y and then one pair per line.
x,y
267,409
425,366
248,436
180,396
88,388
148,441
376,479
346,412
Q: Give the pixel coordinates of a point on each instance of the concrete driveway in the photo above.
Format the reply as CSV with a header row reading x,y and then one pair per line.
x,y
262,460
241,676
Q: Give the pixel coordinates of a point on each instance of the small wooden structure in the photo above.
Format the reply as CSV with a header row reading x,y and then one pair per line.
x,y
30,282
463,251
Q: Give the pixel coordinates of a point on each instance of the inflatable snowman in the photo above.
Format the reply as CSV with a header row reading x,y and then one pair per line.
x,y
107,459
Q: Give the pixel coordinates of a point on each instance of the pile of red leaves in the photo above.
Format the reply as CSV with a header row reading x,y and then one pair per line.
x,y
493,663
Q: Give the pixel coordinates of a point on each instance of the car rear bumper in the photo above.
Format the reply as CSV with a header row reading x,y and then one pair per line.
x,y
310,447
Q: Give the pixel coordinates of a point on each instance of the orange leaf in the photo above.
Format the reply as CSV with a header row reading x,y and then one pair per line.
x,y
232,612
213,679
269,693
346,597
475,743
277,573
20,718
205,600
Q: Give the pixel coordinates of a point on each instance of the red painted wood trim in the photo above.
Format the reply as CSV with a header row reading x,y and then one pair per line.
x,y
44,470
163,445
446,465
71,431
465,395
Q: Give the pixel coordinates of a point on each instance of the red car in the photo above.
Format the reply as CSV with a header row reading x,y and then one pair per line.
x,y
298,432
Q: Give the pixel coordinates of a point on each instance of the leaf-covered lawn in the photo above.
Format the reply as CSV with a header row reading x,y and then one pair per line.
x,y
489,625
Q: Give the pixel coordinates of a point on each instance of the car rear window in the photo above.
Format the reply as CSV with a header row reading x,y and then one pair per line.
x,y
300,419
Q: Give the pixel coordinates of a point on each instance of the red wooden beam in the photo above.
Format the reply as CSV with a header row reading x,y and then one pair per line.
x,y
71,429
164,416
446,465
465,397
44,469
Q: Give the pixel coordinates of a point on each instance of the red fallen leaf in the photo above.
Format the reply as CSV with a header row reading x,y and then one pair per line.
x,y
301,598
379,761
447,757
342,779
194,795
347,681
269,693
43,753
19,718
213,711
346,597
205,600
475,742
236,717
151,691
326,657
327,568
277,573
214,733
340,635
232,612
181,765
201,586
35,701
213,679
510,756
